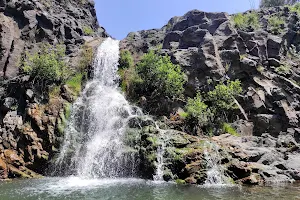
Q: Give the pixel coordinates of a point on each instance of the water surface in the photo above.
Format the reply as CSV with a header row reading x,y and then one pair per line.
x,y
75,188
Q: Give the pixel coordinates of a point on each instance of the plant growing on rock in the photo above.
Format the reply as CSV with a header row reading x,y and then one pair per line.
x,y
283,70
198,112
227,128
74,83
222,97
210,111
276,25
47,65
88,30
159,77
126,60
295,8
246,21
127,72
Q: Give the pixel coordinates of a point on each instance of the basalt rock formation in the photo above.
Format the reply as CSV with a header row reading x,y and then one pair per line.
x,y
210,48
32,122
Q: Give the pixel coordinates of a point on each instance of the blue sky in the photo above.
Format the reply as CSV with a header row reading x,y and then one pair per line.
x,y
119,17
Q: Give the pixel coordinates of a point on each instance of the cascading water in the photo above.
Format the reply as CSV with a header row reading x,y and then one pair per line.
x,y
93,146
215,172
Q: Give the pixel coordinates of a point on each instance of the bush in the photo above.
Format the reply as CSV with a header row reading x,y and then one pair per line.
x,y
198,111
227,128
48,64
159,77
222,96
283,69
88,30
246,21
126,60
295,8
276,25
74,83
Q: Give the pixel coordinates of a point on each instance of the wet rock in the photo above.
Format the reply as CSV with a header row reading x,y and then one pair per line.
x,y
3,170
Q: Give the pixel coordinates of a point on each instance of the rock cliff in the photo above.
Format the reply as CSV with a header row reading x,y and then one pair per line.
x,y
32,120
212,48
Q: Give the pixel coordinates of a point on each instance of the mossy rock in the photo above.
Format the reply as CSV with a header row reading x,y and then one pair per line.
x,y
180,182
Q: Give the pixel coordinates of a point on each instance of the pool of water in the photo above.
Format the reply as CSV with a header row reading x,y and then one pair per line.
x,y
74,188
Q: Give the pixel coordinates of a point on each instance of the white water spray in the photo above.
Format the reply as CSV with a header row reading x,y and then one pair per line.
x,y
94,136
215,172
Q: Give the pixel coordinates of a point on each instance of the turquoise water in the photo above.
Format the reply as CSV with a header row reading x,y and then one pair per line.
x,y
74,188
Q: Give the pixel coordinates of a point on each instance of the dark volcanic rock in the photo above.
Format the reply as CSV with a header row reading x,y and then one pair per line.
x,y
210,49
31,121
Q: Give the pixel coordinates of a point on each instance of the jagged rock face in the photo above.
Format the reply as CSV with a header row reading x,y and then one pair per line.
x,y
31,121
210,49
27,22
254,160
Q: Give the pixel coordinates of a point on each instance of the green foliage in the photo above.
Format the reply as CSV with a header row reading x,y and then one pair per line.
x,y
222,96
180,182
74,83
48,64
67,110
209,111
54,91
295,8
227,128
246,21
283,69
242,56
126,60
88,30
276,24
260,69
183,114
159,76
198,111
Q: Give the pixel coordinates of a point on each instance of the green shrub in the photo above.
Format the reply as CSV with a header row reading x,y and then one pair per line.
x,y
159,77
227,128
74,83
283,69
246,21
260,69
48,64
295,8
88,30
126,60
276,24
222,96
54,91
129,80
198,111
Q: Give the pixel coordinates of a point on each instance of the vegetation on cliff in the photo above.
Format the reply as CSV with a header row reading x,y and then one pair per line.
x,y
154,76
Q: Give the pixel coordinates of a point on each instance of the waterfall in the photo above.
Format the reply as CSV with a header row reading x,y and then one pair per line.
x,y
93,143
215,172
